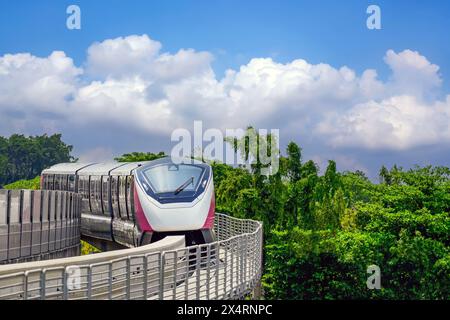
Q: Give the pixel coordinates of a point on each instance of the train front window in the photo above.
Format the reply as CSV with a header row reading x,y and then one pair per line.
x,y
171,177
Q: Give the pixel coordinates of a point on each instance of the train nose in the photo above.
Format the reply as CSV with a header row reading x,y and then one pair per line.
x,y
175,216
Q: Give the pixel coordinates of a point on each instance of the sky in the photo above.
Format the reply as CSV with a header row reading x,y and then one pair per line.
x,y
137,70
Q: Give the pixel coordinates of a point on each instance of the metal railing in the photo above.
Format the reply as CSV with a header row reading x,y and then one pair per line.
x,y
229,268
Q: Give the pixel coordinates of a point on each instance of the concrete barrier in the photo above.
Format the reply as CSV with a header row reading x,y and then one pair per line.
x,y
227,269
37,225
122,274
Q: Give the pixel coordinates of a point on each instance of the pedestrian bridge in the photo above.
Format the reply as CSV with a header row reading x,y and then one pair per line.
x,y
229,268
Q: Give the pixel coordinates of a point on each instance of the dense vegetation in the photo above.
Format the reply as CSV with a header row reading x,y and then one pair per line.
x,y
25,157
323,231
32,184
140,156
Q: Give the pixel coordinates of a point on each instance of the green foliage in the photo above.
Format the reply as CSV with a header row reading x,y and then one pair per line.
x,y
33,184
140,156
86,248
294,162
322,232
25,157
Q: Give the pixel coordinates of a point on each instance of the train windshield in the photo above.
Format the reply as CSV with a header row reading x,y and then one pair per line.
x,y
173,178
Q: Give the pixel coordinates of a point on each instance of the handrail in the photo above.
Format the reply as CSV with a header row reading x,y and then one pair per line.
x,y
229,268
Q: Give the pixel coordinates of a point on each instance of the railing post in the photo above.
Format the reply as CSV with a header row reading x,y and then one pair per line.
x,y
208,264
175,269
161,276
145,277
89,282
65,280
217,268
128,277
42,283
25,286
245,253
197,266
110,280
186,280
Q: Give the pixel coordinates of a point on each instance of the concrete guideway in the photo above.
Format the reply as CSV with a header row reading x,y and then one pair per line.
x,y
227,269
37,225
65,278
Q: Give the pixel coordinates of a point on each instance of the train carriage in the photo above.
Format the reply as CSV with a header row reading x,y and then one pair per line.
x,y
140,202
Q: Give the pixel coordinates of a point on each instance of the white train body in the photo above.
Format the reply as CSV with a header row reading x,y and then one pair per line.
x,y
140,202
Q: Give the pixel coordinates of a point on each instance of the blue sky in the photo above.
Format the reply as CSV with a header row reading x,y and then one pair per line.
x,y
235,32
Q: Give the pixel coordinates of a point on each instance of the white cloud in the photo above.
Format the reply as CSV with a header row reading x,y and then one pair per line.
x,y
41,82
412,73
139,89
140,56
399,122
99,154
121,56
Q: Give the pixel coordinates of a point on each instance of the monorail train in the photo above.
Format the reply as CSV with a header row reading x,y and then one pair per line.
x,y
140,202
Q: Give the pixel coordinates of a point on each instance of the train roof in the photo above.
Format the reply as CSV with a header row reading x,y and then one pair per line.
x,y
168,159
112,168
100,168
67,168
127,168
83,169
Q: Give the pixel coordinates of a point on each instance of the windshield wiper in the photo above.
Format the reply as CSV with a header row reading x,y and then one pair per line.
x,y
184,185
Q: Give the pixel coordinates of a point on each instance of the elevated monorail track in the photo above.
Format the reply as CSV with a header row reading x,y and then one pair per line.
x,y
228,268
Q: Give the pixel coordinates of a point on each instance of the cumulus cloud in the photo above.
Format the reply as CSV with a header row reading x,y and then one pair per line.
x,y
140,56
34,91
399,122
27,80
405,114
99,154
130,84
412,73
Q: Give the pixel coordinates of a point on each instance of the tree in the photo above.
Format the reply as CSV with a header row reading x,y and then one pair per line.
x,y
25,157
140,156
385,176
294,161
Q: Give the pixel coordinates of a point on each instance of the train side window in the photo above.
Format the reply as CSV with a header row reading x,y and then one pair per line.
x,y
130,200
57,182
43,182
114,185
98,194
59,179
64,182
92,194
71,182
123,197
50,179
81,187
83,183
105,194
61,182
95,194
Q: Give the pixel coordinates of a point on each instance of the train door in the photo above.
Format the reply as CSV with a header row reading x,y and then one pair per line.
x,y
123,222
97,221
